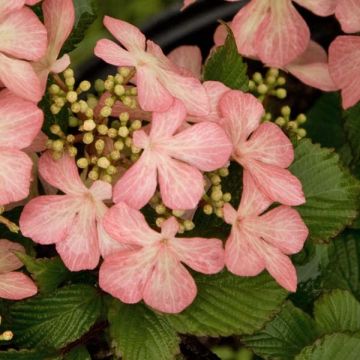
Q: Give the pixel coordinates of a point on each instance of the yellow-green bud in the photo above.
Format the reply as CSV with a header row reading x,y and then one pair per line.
x,y
112,133
70,82
54,109
286,111
208,209
123,131
118,145
252,85
280,121
100,145
181,229
219,212
273,72
281,93
72,151
93,175
159,221
84,86
105,111
92,101
215,179
227,197
82,163
6,335
271,80
55,129
88,138
71,96
178,213
301,119
107,178
103,162
75,107
109,101
115,155
133,91
102,129
262,89
119,79
136,124
134,157
73,121
99,85
301,133
216,195
293,125
70,138
89,125
160,209
58,145
281,81
54,89
109,84
89,113
257,77
188,225
124,71
124,117
127,101
128,142
224,172
68,73
111,170
119,90
135,149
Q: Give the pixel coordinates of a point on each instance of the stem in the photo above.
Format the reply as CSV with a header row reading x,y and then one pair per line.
x,y
59,82
9,224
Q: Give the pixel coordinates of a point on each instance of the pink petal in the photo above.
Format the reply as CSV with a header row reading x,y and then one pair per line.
x,y
48,219
253,201
230,214
15,174
38,144
101,190
169,228
181,185
113,54
204,145
128,35
319,7
62,174
59,18
187,3
129,226
124,274
203,255
344,53
188,58
282,36
20,121
170,287
8,260
61,64
276,183
16,286
220,35
152,95
269,145
15,73
7,6
348,14
189,90
246,24
242,256
281,269
282,227
138,184
166,123
242,113
312,68
33,2
23,35
80,249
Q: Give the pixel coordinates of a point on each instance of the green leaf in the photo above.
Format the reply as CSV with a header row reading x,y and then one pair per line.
x,y
337,311
141,334
284,336
332,194
352,127
227,304
332,347
227,66
344,268
79,353
57,319
85,15
323,128
26,355
47,273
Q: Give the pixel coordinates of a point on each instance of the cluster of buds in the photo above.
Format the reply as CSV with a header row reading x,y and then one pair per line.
x,y
272,84
215,198
292,126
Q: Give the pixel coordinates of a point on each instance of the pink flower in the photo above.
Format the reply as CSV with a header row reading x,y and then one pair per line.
x,y
153,270
20,122
263,150
348,14
158,80
188,59
22,37
71,221
174,158
274,31
32,2
13,285
59,18
344,63
261,240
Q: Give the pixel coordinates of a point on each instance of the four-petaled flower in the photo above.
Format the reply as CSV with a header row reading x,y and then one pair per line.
x,y
174,157
153,270
13,285
159,81
71,221
262,241
263,150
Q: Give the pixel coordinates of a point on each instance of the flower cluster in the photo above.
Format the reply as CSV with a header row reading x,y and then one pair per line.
x,y
154,136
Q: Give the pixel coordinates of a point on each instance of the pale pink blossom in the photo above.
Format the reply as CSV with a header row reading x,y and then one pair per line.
x,y
274,31
262,149
348,14
13,285
344,64
158,80
188,59
20,122
59,18
71,221
173,158
153,271
32,2
22,39
261,240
